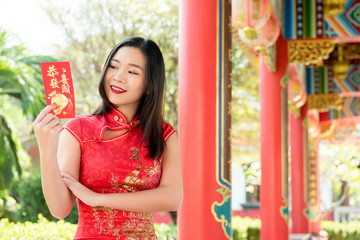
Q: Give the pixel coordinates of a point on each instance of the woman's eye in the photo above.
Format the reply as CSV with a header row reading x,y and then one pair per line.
x,y
131,72
113,67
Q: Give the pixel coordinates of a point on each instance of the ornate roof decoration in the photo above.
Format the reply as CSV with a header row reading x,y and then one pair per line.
x,y
310,51
324,102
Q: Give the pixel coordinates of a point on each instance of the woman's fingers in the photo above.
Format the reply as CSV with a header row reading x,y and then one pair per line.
x,y
67,182
51,121
44,113
47,128
66,175
58,128
47,121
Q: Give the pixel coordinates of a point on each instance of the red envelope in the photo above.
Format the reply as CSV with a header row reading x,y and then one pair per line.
x,y
59,88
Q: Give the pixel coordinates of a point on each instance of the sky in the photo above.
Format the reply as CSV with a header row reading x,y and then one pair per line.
x,y
26,19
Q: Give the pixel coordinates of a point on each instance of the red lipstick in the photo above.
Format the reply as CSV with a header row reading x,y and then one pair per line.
x,y
117,90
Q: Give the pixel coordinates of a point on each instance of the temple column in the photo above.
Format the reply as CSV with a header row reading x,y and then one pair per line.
x,y
314,179
273,203
314,191
298,135
204,119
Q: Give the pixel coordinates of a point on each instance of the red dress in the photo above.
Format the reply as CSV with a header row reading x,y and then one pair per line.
x,y
114,165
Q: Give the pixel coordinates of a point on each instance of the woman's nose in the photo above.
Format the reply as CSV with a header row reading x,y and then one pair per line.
x,y
119,76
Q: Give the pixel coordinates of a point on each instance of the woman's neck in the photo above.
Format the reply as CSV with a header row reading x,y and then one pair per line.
x,y
128,113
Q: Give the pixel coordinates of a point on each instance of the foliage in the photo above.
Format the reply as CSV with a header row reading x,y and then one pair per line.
x,y
8,154
241,226
46,230
8,207
245,118
249,229
336,231
43,229
245,100
253,233
28,192
166,231
20,79
112,21
20,74
341,163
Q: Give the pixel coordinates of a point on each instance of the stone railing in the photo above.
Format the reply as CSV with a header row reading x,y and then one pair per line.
x,y
346,214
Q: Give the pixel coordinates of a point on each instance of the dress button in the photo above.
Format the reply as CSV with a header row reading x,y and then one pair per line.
x,y
116,118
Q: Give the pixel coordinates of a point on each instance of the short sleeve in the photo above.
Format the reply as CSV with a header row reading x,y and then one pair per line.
x,y
168,130
74,127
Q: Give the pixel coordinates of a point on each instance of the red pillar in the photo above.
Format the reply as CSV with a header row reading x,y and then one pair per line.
x,y
201,67
273,222
314,201
300,222
313,183
315,223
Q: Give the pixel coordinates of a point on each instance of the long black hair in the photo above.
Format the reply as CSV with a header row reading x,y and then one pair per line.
x,y
150,110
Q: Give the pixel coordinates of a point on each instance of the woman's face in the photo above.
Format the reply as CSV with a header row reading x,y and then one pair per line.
x,y
125,78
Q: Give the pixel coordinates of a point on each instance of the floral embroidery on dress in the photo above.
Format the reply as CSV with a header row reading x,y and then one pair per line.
x,y
153,170
105,224
132,181
141,226
135,229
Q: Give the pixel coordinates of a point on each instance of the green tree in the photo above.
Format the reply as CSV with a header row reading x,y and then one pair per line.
x,y
92,28
245,131
8,154
20,79
341,164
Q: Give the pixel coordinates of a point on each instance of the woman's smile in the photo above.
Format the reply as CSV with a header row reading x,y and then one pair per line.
x,y
117,90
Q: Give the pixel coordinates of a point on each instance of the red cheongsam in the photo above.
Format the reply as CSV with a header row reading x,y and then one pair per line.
x,y
114,165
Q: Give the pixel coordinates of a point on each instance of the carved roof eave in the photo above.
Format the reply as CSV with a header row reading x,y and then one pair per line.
x,y
310,51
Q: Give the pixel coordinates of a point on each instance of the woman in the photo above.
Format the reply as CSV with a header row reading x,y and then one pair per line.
x,y
121,163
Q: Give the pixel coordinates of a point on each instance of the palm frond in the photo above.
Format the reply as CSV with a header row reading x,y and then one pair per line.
x,y
9,160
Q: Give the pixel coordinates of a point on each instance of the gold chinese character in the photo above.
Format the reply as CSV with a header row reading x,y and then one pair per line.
x,y
65,88
64,79
54,83
52,71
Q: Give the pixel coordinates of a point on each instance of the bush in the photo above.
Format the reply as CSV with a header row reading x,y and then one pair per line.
x,y
249,229
166,232
340,231
28,193
245,228
44,229
8,206
253,233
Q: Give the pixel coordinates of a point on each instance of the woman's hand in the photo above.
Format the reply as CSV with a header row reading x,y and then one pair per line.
x,y
47,128
80,191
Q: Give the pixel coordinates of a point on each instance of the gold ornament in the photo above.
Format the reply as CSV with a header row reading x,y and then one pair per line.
x,y
333,7
341,65
310,51
324,102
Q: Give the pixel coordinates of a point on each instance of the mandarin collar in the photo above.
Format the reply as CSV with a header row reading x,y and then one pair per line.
x,y
117,119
